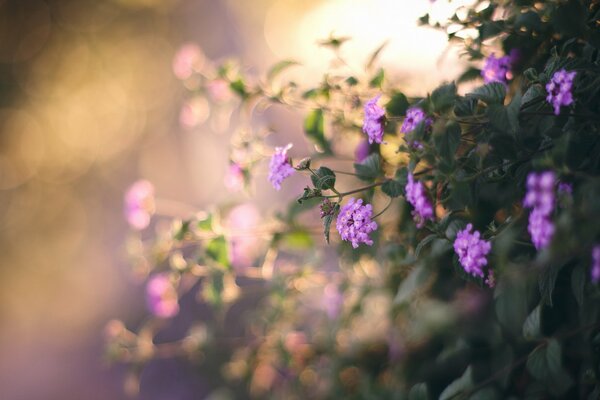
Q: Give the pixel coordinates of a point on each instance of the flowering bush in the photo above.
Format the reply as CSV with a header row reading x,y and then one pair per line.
x,y
490,292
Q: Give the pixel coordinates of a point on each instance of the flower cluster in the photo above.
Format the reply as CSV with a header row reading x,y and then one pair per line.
x,y
414,116
472,251
161,296
374,120
139,204
354,222
280,166
559,89
234,177
496,69
540,198
416,196
595,272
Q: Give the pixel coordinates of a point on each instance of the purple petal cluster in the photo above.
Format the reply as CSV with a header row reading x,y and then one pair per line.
x,y
139,204
416,196
354,222
559,89
540,197
472,251
280,166
595,272
374,120
161,296
414,116
496,69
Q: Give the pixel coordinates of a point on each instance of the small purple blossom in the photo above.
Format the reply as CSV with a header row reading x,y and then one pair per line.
x,y
416,196
280,166
565,188
354,222
540,197
161,296
491,279
595,271
326,208
540,228
472,251
332,300
414,116
496,69
139,204
374,120
362,151
559,89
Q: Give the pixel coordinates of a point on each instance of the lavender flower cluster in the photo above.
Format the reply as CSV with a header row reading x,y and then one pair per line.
x,y
559,89
540,197
414,116
280,166
416,196
472,251
354,222
496,69
374,120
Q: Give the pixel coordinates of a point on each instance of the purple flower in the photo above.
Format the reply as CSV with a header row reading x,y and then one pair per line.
x,y
280,166
565,188
416,196
139,204
374,120
414,116
244,244
161,296
471,251
540,197
332,300
559,89
496,69
354,222
362,151
595,272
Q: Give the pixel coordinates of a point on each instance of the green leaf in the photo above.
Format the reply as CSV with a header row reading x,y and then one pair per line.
x,y
491,93
410,285
488,393
212,289
377,79
459,386
578,283
511,303
447,142
548,281
280,67
532,325
238,86
544,362
375,55
327,222
298,239
534,95
470,74
397,105
206,223
314,129
419,392
443,97
323,178
392,188
465,107
369,168
216,250
503,119
428,239
183,230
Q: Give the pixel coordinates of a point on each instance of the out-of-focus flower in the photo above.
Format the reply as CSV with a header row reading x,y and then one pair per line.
x,y
244,242
161,296
193,112
416,196
326,208
234,178
491,279
496,69
219,90
541,198
595,270
472,250
362,151
414,116
332,300
280,166
188,58
139,204
354,222
565,188
559,89
374,120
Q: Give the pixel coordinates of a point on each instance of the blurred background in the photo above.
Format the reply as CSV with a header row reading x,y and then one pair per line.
x,y
89,104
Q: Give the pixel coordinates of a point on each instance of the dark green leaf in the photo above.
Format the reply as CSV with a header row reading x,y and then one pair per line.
x,y
578,282
470,74
460,386
443,97
397,105
392,188
323,178
419,392
377,79
428,239
375,55
314,129
544,362
369,168
410,285
511,303
532,325
447,142
216,249
328,220
238,86
465,107
491,93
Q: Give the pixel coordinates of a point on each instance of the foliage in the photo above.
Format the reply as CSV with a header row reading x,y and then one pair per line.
x,y
402,318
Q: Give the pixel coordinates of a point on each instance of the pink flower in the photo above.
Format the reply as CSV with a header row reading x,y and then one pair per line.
x,y
219,90
193,112
139,204
234,178
244,243
374,120
188,58
161,296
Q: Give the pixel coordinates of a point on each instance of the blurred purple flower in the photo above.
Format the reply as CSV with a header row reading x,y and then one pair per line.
x,y
472,251
565,188
244,243
416,196
496,69
540,197
354,222
234,178
374,120
559,89
188,58
540,228
362,150
332,300
280,166
161,296
595,271
193,112
139,204
414,116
